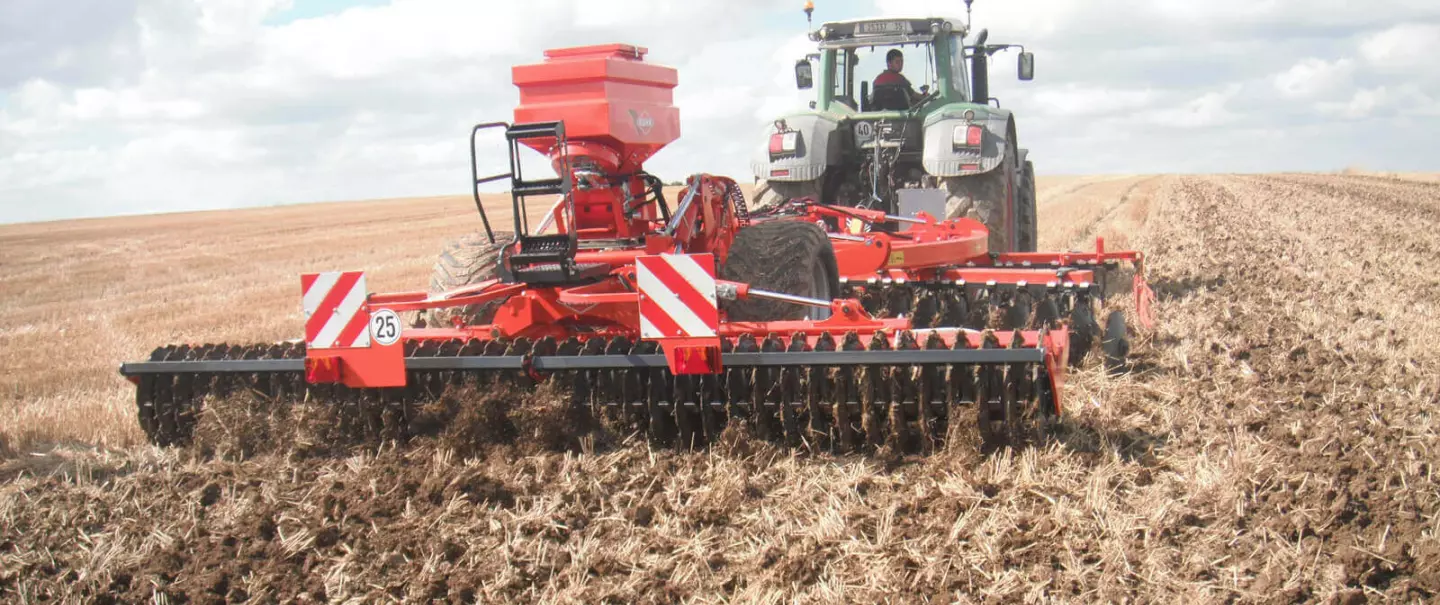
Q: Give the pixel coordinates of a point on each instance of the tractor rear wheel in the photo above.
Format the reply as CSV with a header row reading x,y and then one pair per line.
x,y
1025,211
987,197
771,193
469,260
788,256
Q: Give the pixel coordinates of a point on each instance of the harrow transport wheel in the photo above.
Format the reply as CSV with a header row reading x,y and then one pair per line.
x,y
986,197
789,256
469,260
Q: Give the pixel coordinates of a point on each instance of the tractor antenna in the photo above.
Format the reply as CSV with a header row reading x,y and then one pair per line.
x,y
967,13
810,8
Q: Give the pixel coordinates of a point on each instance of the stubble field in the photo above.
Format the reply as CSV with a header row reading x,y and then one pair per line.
x,y
1276,442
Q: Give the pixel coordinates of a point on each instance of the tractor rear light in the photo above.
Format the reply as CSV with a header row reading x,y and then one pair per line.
x,y
784,143
968,135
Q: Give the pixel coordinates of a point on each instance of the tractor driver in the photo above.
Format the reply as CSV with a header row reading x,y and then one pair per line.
x,y
892,89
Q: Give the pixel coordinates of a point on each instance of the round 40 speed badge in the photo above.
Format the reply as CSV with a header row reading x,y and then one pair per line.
x,y
864,131
385,327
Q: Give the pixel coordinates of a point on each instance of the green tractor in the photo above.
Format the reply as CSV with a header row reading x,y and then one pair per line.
x,y
946,147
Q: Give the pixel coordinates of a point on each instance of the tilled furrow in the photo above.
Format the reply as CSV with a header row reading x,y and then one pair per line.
x,y
1408,201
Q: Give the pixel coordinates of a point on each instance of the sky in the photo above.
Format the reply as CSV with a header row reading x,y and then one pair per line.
x,y
114,107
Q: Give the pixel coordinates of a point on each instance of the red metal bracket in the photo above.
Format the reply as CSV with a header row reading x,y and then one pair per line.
x,y
692,355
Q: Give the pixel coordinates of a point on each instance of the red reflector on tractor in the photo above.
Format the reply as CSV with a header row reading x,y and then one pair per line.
x,y
785,172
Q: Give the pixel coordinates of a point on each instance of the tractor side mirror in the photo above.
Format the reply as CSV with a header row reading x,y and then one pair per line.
x,y
1027,66
804,75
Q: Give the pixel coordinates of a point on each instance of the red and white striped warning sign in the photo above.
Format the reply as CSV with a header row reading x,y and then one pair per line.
x,y
677,296
333,315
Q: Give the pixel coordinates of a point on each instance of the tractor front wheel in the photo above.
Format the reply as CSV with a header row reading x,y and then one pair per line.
x,y
469,260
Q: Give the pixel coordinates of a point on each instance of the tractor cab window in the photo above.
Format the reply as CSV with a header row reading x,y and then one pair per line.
x,y
959,77
845,83
868,65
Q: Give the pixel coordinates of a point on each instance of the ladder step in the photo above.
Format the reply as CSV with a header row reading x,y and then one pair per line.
x,y
535,130
540,187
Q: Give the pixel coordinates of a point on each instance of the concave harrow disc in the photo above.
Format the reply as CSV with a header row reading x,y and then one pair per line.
x,y
932,304
846,394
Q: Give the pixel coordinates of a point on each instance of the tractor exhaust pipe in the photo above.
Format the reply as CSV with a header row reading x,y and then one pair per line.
x,y
980,70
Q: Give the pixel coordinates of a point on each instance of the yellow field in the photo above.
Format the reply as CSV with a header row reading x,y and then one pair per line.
x,y
1276,441
82,296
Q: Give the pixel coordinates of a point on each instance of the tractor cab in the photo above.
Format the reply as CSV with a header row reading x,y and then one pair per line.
x,y
854,56
901,109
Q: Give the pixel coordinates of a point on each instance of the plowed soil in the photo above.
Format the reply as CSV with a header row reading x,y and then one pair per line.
x,y
1276,440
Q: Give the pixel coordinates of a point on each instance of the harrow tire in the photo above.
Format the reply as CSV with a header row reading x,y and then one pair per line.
x,y
985,197
789,256
469,260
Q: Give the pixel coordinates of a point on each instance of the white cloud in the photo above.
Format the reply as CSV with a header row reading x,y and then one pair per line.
x,y
1410,48
144,105
1362,104
1313,77
372,101
1075,99
1129,23
1209,109
1404,100
1227,85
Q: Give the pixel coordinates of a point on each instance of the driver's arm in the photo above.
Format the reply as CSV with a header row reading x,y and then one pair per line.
x,y
911,93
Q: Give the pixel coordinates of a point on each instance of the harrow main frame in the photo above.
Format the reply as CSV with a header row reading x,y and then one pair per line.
x,y
615,297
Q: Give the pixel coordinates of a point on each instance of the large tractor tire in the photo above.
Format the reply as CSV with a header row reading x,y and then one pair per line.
x,y
986,197
1026,212
469,260
771,193
789,256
